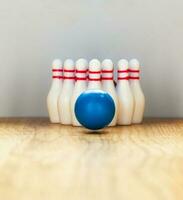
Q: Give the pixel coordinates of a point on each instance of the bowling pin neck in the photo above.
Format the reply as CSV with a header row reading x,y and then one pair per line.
x,y
69,73
56,84
135,83
57,73
123,83
56,77
123,75
134,79
107,84
94,75
67,87
107,76
92,85
69,80
135,86
94,80
81,75
69,76
80,84
107,79
134,75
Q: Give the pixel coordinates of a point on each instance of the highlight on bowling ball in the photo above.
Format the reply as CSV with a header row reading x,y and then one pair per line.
x,y
94,109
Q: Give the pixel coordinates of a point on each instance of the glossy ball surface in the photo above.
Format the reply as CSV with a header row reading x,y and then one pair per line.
x,y
94,109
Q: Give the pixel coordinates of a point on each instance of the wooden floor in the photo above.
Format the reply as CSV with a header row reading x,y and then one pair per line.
x,y
43,161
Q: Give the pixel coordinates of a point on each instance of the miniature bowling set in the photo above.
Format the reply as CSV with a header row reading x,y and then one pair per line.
x,y
70,80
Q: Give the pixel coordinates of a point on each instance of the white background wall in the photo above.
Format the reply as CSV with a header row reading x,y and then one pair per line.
x,y
34,32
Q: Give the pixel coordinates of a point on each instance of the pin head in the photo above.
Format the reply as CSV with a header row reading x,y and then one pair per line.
x,y
69,64
107,64
122,64
94,65
134,64
57,64
81,64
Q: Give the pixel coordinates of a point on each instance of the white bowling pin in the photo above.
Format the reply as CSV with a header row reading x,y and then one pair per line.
x,y
108,85
64,103
125,96
53,95
94,80
137,92
80,86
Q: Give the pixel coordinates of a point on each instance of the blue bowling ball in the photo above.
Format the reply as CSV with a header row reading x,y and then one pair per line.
x,y
94,109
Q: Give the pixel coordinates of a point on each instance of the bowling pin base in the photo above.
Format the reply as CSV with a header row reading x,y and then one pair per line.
x,y
112,125
54,122
124,124
137,122
66,123
77,124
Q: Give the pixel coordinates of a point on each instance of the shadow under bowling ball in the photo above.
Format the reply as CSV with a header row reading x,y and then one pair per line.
x,y
95,132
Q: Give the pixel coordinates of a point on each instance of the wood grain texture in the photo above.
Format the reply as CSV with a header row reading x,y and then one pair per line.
x,y
39,160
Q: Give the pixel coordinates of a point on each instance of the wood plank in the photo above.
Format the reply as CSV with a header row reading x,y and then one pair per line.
x,y
39,160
